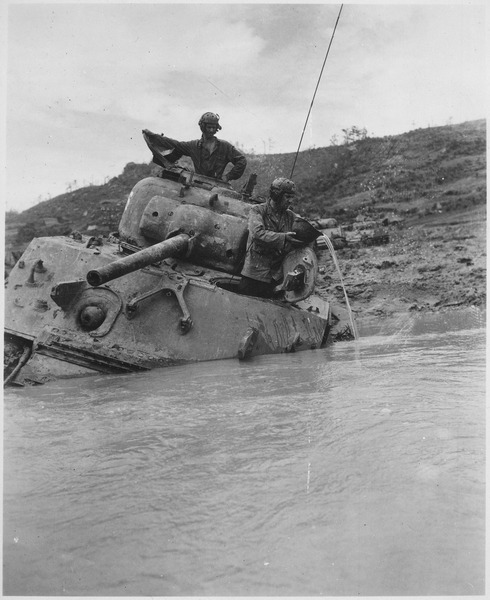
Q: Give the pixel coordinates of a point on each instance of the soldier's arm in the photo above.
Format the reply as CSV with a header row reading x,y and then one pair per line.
x,y
180,148
239,163
266,238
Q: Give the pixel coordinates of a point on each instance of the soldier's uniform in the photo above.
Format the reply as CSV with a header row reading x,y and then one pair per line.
x,y
210,164
267,243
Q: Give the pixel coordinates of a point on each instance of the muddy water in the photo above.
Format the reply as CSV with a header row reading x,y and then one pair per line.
x,y
353,470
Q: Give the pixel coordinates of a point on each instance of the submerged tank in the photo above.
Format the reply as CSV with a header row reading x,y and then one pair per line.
x,y
161,291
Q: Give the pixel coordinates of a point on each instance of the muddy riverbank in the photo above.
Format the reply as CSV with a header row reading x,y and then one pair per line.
x,y
430,264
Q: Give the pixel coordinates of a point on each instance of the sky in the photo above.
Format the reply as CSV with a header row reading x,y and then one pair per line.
x,y
83,80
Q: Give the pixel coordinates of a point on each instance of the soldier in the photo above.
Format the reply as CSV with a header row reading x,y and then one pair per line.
x,y
270,238
209,154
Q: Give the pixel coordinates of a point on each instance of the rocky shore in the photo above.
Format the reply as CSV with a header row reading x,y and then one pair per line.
x,y
431,264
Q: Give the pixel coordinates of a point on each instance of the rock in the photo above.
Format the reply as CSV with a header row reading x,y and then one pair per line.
x,y
466,261
386,264
367,293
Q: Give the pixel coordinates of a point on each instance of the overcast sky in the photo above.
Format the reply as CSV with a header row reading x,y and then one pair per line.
x,y
83,80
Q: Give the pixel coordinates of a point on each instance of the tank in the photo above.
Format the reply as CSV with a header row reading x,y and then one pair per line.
x,y
161,291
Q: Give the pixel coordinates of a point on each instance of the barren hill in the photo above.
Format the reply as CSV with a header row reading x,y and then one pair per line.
x,y
434,179
419,172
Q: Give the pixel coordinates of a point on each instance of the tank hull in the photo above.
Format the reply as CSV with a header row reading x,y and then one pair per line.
x,y
161,315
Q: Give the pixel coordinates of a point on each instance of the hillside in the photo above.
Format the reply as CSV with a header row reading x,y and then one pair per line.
x,y
413,173
434,179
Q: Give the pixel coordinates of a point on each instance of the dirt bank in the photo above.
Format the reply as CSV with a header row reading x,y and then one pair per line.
x,y
432,264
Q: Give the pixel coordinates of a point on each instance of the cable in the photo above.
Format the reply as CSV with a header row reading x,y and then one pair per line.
x,y
317,84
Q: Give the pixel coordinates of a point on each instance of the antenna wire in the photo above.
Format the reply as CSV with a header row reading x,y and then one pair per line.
x,y
314,94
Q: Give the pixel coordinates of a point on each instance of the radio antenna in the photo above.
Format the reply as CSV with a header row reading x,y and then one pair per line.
x,y
314,94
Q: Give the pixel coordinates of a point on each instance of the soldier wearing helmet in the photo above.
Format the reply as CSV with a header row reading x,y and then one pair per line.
x,y
270,238
209,154
209,118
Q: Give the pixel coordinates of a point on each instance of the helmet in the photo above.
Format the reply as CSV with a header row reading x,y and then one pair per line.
x,y
209,117
281,186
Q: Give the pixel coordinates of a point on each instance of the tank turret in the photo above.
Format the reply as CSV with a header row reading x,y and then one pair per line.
x,y
215,215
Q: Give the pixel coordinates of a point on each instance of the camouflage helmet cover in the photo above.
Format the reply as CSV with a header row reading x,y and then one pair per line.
x,y
209,117
282,185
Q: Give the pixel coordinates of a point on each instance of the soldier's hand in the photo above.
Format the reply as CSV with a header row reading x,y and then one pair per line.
x,y
292,239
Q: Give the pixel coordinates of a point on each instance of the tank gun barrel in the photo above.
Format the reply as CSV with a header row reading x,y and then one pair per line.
x,y
173,247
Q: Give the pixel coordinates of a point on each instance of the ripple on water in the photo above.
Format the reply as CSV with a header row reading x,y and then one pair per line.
x,y
357,469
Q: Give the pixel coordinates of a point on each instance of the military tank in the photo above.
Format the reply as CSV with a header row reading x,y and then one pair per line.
x,y
161,291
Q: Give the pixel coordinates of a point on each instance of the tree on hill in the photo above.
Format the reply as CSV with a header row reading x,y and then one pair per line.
x,y
354,134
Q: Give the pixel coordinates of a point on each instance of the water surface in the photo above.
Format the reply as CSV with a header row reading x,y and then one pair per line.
x,y
353,470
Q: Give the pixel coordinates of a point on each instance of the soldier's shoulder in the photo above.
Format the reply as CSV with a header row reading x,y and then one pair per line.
x,y
229,145
259,208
